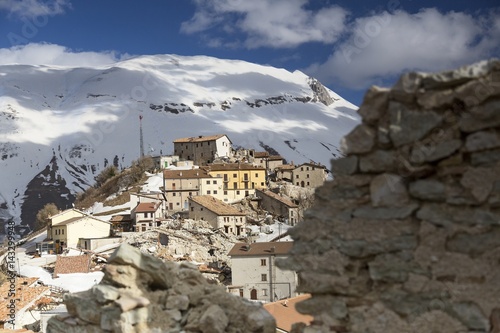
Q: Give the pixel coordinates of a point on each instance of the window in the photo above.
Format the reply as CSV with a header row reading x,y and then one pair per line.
x,y
208,182
297,176
62,231
256,175
262,184
225,192
209,192
237,192
178,204
307,169
264,292
214,182
307,175
192,209
263,262
263,277
307,183
235,175
174,194
215,191
235,185
301,168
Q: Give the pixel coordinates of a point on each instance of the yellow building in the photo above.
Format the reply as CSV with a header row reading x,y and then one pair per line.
x,y
239,179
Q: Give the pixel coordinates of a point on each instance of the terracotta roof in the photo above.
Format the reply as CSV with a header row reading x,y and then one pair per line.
x,y
283,200
185,174
72,264
147,207
311,164
275,158
200,138
232,166
216,206
25,294
261,248
285,313
121,218
261,154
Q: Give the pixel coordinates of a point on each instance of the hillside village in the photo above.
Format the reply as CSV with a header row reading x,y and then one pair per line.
x,y
226,210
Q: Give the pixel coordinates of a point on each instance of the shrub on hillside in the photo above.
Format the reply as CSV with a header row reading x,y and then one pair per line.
x,y
43,215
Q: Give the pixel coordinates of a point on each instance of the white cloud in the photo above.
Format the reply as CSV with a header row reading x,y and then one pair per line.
x,y
387,44
51,54
34,8
268,23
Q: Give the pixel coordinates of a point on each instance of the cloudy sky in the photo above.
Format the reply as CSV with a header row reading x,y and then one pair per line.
x,y
348,45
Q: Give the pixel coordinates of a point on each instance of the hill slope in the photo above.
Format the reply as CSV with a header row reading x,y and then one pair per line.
x,y
59,126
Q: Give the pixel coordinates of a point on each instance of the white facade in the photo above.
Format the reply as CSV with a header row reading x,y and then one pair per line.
x,y
255,275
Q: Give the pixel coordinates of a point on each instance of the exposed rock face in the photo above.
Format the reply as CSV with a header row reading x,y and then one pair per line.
x,y
406,237
140,293
320,92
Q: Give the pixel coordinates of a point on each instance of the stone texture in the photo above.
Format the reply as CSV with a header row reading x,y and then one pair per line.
x,y
407,236
133,297
345,165
408,126
360,140
388,190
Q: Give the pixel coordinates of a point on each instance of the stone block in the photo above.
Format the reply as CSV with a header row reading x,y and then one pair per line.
x,y
480,181
345,165
359,141
434,152
428,189
481,117
407,126
485,157
387,190
213,320
378,161
385,213
474,244
482,141
374,104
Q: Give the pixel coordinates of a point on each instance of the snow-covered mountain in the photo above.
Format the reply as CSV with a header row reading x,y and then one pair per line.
x,y
60,126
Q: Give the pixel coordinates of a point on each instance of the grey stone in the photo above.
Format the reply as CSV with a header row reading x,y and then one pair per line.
x,y
127,302
362,248
378,161
82,306
393,268
485,157
345,165
388,190
480,181
482,141
470,314
407,126
178,302
474,244
374,104
360,140
383,137
475,92
413,305
433,99
213,320
435,152
105,293
324,304
481,117
408,83
446,215
385,213
128,255
259,320
428,189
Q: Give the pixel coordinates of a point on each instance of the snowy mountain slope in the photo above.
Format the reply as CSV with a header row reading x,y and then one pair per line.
x,y
60,126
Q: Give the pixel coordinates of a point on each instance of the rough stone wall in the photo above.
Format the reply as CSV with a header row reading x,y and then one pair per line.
x,y
140,293
407,236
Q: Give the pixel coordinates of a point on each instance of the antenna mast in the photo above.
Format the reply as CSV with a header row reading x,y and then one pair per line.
x,y
141,136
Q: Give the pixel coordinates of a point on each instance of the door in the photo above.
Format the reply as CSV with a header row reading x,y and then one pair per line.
x,y
253,294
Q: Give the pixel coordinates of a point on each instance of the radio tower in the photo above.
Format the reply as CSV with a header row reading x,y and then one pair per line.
x,y
141,137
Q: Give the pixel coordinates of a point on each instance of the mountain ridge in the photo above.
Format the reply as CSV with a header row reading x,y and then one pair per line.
x,y
82,118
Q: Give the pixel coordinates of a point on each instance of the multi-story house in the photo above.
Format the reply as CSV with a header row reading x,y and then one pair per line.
x,y
255,274
269,162
179,185
279,205
219,214
239,179
203,149
164,161
305,175
147,215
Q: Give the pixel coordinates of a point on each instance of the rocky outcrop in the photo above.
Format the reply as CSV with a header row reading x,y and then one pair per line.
x,y
140,293
406,237
320,92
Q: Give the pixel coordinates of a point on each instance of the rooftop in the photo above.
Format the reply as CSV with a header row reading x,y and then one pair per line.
x,y
259,249
185,174
25,294
71,264
200,138
283,200
232,166
286,314
147,207
216,206
121,218
261,154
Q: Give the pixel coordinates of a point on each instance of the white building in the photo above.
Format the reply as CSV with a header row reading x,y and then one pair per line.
x,y
255,274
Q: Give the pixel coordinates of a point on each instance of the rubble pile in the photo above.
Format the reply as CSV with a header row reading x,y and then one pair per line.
x,y
189,240
406,238
140,293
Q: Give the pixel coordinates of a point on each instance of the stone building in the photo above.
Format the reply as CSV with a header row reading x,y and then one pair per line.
x,y
203,149
304,175
279,205
255,274
406,238
219,214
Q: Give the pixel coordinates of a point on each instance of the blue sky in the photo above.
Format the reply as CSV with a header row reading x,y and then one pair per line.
x,y
348,45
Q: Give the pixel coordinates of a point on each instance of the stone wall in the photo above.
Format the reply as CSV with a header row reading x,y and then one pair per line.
x,y
141,294
407,236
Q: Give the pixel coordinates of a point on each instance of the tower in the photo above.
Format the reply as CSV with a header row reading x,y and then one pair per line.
x,y
141,136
